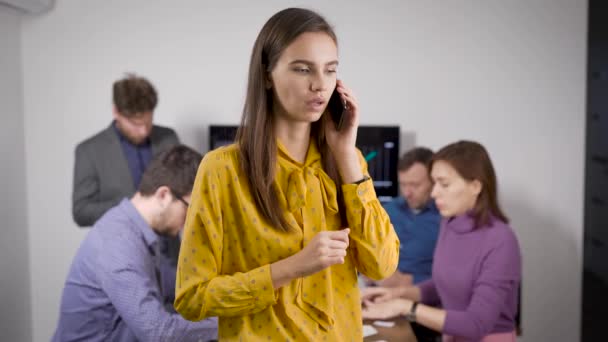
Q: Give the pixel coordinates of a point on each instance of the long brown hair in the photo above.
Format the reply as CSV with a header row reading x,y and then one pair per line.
x,y
472,162
258,152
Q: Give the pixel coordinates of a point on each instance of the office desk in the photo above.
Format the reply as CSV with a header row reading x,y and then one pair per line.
x,y
401,331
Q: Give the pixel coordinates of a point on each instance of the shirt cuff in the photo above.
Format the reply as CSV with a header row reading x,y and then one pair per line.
x,y
260,284
427,293
360,194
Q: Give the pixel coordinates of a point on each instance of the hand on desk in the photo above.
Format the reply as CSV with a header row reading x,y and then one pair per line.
x,y
380,294
387,309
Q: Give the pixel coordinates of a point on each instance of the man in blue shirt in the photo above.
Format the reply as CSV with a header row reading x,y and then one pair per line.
x,y
415,219
121,285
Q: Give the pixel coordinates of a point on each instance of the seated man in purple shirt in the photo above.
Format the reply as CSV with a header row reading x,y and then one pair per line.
x,y
121,284
477,263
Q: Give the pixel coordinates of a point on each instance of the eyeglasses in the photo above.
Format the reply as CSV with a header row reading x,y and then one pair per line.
x,y
180,198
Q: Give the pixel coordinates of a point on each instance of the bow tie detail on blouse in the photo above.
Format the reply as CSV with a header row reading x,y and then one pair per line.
x,y
302,179
310,195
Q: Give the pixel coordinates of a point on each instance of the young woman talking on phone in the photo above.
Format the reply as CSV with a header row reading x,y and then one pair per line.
x,y
282,220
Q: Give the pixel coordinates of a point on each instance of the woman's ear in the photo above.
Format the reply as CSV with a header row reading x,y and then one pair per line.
x,y
268,80
476,187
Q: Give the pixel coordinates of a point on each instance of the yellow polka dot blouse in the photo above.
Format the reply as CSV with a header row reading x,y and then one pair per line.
x,y
227,249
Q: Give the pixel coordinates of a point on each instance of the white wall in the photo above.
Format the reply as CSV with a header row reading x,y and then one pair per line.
x,y
510,74
15,316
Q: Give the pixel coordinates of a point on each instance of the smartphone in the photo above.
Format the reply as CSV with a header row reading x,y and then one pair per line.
x,y
336,109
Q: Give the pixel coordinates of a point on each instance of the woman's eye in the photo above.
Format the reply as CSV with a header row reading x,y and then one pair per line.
x,y
302,70
332,71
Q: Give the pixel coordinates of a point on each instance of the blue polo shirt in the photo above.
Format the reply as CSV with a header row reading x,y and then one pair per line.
x,y
417,234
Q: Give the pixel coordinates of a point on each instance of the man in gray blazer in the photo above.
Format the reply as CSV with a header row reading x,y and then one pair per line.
x,y
108,166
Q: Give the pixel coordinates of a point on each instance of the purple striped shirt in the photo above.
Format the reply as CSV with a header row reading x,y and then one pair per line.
x,y
121,285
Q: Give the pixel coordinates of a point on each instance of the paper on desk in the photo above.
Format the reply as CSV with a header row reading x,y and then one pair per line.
x,y
387,324
368,330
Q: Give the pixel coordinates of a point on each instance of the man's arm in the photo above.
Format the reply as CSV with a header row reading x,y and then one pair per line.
x,y
397,279
86,208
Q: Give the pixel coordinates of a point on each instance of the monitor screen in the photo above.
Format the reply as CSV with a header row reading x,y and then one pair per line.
x,y
221,135
379,145
380,148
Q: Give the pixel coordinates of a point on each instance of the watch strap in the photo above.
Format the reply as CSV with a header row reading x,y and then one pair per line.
x,y
411,316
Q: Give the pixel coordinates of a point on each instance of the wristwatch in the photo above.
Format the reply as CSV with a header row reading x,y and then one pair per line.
x,y
411,316
361,180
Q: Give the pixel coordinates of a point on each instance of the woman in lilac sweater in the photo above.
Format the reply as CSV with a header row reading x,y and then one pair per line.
x,y
477,262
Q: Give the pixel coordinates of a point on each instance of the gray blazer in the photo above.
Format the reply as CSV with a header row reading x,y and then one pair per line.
x,y
101,172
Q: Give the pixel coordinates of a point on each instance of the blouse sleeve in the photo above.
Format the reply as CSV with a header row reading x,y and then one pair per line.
x,y
201,290
373,242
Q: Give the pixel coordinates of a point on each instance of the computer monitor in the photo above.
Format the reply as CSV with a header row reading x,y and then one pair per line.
x,y
379,145
380,148
221,135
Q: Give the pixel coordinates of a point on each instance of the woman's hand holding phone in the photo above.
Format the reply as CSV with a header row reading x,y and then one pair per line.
x,y
342,141
343,109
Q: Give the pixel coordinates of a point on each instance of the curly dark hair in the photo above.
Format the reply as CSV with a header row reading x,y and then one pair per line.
x,y
175,168
134,95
